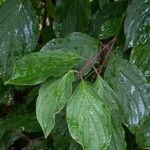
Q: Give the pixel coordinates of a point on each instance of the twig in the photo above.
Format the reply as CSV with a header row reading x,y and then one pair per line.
x,y
109,50
91,61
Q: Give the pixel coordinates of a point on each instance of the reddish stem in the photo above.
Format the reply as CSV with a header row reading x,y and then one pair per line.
x,y
93,59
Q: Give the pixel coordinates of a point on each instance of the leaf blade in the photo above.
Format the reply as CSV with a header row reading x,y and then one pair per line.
x,y
136,26
35,68
53,96
132,89
65,11
77,42
88,119
111,99
140,57
19,33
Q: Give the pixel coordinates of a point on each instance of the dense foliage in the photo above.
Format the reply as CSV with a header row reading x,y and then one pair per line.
x,y
74,74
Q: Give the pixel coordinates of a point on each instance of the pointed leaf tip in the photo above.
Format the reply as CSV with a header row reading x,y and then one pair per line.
x,y
53,96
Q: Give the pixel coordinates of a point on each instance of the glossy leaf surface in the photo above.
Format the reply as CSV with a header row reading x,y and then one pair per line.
x,y
88,119
53,96
137,24
107,22
132,89
71,16
111,99
140,56
77,42
37,67
18,33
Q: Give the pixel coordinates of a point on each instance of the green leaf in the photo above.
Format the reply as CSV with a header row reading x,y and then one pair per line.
x,y
84,45
23,122
140,56
75,146
110,27
132,89
18,34
111,99
53,96
37,67
106,23
88,119
71,16
136,27
60,133
143,135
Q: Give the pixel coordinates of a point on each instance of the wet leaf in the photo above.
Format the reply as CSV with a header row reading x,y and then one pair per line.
x,y
137,24
140,56
107,22
71,16
53,96
18,34
110,27
37,67
111,99
88,119
143,135
132,89
84,45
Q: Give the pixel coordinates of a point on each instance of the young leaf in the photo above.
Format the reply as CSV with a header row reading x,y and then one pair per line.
x,y
71,16
37,67
53,96
132,89
140,56
88,119
136,25
77,42
18,33
111,99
